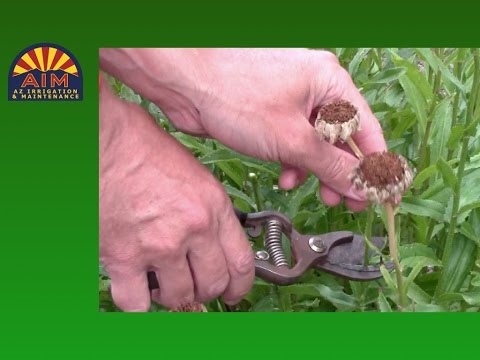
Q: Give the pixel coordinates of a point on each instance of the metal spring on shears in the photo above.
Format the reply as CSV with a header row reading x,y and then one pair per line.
x,y
273,242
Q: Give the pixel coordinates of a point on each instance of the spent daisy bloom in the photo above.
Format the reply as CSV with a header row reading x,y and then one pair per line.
x,y
383,176
337,121
190,307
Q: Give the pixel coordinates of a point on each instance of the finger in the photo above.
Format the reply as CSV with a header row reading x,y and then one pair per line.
x,y
291,177
333,166
129,289
239,258
329,197
356,206
209,269
174,281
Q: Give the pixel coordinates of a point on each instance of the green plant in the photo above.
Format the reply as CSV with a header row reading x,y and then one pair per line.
x,y
428,103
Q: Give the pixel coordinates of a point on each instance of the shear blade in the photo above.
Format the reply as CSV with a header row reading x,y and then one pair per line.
x,y
346,260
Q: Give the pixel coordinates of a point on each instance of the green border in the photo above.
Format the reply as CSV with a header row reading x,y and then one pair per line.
x,y
49,187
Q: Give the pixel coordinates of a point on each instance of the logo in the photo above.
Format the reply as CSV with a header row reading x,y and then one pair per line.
x,y
45,72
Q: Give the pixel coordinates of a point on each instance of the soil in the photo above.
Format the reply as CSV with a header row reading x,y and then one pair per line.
x,y
337,112
381,169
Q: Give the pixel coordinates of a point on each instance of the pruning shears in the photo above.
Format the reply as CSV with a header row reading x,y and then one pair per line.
x,y
340,253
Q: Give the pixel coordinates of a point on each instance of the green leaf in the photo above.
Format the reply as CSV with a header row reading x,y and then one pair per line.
x,y
471,298
417,264
447,172
302,192
441,128
386,76
457,266
336,297
417,294
416,206
424,175
437,64
469,207
417,250
467,230
383,304
225,155
415,76
417,101
357,59
387,277
429,308
235,193
455,137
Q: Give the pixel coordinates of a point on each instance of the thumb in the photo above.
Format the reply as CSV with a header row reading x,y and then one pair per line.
x,y
329,163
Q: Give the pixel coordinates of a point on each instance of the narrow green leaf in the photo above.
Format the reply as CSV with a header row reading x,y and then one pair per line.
x,y
388,277
458,265
386,76
336,297
415,76
233,192
417,101
441,129
417,294
469,207
417,264
467,230
471,298
455,137
300,194
233,170
429,308
417,250
437,64
383,304
447,172
424,175
357,59
421,207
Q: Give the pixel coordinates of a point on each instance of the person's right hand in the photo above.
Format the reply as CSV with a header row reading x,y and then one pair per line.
x,y
162,211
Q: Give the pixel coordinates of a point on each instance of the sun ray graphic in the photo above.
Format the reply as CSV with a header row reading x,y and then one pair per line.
x,y
45,59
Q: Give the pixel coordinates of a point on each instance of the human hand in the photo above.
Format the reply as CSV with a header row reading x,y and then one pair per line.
x,y
162,211
260,102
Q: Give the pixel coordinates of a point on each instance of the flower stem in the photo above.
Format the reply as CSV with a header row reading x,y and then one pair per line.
x,y
392,244
368,232
356,150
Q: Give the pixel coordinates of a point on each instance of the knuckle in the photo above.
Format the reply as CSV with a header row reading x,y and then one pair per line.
x,y
331,57
243,263
214,289
198,219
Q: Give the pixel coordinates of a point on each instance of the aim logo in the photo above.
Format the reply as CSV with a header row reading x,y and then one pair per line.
x,y
45,72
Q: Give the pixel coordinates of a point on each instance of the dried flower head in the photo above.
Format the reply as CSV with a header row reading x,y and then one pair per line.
x,y
337,120
384,176
190,307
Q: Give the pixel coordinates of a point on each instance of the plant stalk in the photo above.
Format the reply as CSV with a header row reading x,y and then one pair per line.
x,y
392,244
356,150
368,232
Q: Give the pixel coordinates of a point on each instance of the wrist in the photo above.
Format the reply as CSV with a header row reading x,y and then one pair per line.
x,y
163,76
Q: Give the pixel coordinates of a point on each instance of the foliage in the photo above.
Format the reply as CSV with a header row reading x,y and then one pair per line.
x,y
428,103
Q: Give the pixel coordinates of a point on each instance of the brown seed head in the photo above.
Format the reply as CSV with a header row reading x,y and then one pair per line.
x,y
337,120
384,176
190,307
